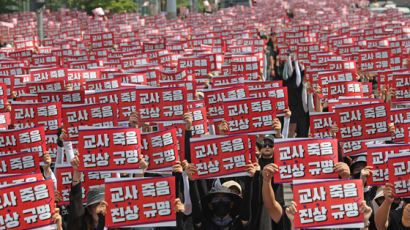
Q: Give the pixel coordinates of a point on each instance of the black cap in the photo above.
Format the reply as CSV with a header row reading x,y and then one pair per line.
x,y
270,138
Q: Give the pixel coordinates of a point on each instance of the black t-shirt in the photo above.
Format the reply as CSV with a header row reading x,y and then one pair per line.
x,y
395,220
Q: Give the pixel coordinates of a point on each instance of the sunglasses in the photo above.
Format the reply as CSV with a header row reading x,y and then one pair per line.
x,y
216,200
265,145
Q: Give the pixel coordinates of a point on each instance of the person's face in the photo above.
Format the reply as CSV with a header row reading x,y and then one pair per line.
x,y
357,168
220,205
92,209
267,149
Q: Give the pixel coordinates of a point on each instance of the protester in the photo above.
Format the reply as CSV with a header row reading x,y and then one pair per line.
x,y
285,115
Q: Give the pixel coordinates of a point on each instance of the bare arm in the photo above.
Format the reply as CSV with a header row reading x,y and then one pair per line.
x,y
274,208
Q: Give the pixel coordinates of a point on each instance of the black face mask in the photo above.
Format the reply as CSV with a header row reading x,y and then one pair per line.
x,y
221,208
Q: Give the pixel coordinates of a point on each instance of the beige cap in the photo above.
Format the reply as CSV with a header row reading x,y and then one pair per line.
x,y
231,183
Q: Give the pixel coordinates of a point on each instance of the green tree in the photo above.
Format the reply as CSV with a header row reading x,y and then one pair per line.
x,y
9,6
114,6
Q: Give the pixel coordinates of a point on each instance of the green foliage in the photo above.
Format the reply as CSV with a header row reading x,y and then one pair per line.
x,y
8,6
114,6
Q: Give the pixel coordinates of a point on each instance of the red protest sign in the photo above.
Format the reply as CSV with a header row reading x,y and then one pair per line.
x,y
322,124
346,88
363,122
189,85
220,156
399,174
19,163
280,95
89,180
305,159
23,140
214,99
65,97
230,79
20,179
102,84
406,127
48,74
28,205
25,115
352,101
398,117
249,115
109,149
401,84
263,84
35,87
102,40
140,202
351,148
161,104
160,149
180,129
88,115
378,156
328,203
199,121
5,120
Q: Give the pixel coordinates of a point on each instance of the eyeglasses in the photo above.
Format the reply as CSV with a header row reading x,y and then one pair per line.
x,y
267,145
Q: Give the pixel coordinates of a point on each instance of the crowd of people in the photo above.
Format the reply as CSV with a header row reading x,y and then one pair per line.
x,y
254,201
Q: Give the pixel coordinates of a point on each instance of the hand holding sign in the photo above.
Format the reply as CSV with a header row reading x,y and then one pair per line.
x,y
290,212
343,170
268,172
388,193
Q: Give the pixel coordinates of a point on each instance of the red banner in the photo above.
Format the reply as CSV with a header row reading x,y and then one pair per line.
x,y
305,159
347,89
321,124
161,103
352,101
199,121
102,84
363,122
23,140
280,94
65,97
401,84
27,206
180,129
5,120
328,203
137,202
399,174
109,149
378,156
88,115
20,179
220,156
89,180
49,74
35,87
214,99
398,117
19,163
351,148
249,115
25,115
160,149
